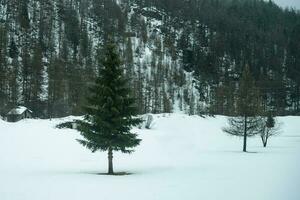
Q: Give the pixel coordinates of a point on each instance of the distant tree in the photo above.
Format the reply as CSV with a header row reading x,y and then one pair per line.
x,y
110,111
269,129
144,34
166,101
26,76
13,73
129,58
247,121
139,89
213,39
57,104
36,82
23,15
3,70
72,29
13,50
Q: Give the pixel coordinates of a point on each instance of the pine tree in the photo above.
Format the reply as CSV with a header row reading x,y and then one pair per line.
x,y
129,58
23,15
248,121
110,111
3,70
37,79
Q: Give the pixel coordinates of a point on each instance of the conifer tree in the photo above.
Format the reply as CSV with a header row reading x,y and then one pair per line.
x,y
110,111
247,121
3,70
36,82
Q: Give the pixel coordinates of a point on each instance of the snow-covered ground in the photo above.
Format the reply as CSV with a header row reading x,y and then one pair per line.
x,y
181,158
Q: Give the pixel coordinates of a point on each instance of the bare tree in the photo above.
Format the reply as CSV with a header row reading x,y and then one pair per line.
x,y
238,126
247,121
270,128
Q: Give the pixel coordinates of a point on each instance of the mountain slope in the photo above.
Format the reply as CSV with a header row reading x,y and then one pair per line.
x,y
180,55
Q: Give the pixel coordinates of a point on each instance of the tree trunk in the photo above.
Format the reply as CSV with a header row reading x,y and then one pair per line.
x,y
245,136
263,140
110,162
266,142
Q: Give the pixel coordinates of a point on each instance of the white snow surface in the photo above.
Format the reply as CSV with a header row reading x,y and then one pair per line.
x,y
181,158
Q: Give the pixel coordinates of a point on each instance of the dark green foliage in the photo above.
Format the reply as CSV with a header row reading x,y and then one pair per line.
x,y
240,31
13,50
212,39
23,15
110,111
270,123
248,98
68,125
3,70
36,82
72,28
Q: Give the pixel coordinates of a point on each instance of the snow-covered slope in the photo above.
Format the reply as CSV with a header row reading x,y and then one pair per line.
x,y
181,157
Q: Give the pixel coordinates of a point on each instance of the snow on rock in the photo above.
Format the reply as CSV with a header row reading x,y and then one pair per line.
x,y
180,157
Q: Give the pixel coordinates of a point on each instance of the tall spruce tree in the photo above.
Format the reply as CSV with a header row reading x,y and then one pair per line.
x,y
110,112
248,120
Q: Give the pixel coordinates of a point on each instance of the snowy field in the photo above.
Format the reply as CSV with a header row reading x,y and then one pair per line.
x,y
181,158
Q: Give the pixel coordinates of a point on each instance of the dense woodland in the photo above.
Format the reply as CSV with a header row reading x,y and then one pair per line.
x,y
185,55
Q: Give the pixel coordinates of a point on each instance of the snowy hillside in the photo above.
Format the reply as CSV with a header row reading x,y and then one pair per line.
x,y
181,157
179,55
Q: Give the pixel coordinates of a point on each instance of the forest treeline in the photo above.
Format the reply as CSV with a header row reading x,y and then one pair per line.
x,y
179,55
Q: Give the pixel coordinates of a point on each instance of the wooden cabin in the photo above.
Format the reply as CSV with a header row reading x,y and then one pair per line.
x,y
18,113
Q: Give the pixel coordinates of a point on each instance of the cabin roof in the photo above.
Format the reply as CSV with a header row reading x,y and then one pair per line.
x,y
18,110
